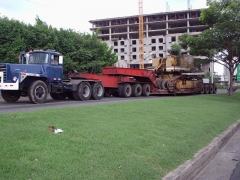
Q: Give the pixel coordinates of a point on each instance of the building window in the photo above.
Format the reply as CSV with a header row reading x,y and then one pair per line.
x,y
122,50
153,40
134,42
160,40
153,48
160,47
122,43
116,50
122,57
134,56
115,43
160,55
173,38
134,49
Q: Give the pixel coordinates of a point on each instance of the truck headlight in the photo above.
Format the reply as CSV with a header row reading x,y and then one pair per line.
x,y
14,78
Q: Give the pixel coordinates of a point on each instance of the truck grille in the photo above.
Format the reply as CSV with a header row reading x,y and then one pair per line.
x,y
3,69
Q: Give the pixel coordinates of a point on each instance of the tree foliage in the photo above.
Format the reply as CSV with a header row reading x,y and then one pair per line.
x,y
81,51
221,42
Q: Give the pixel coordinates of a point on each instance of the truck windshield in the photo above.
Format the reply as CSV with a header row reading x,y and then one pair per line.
x,y
38,58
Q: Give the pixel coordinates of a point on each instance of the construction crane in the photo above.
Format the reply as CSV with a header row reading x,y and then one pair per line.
x,y
141,48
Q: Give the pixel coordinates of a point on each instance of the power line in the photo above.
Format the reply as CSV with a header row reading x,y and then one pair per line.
x,y
43,4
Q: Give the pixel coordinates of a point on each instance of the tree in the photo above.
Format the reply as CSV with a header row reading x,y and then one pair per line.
x,y
82,52
221,42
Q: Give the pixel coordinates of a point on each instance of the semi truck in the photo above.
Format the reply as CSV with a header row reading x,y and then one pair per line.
x,y
43,75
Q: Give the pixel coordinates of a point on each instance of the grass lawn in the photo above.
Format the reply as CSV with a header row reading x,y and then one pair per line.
x,y
138,140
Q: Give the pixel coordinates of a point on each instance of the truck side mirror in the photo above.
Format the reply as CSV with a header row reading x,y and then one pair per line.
x,y
60,60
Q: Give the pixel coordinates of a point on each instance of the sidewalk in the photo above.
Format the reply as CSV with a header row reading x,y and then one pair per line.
x,y
216,161
223,164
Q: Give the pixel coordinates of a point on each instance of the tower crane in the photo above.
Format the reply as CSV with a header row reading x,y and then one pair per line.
x,y
140,29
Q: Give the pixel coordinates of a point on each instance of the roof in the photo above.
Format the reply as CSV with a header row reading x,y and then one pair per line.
x,y
134,16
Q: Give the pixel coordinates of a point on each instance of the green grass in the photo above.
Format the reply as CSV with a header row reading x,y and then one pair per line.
x,y
130,140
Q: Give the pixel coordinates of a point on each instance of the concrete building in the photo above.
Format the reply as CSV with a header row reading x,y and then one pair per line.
x,y
161,30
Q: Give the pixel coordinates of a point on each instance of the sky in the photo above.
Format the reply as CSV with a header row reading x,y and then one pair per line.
x,y
76,14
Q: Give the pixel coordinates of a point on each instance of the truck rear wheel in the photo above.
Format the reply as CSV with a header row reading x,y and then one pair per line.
x,y
146,90
84,91
97,91
37,92
136,90
10,95
126,90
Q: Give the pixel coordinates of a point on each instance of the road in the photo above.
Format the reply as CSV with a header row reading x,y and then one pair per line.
x,y
23,104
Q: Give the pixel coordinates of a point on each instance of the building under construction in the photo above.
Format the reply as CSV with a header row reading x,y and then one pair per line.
x,y
161,30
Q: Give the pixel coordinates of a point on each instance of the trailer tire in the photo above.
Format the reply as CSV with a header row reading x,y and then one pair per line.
x,y
97,91
10,96
215,89
146,90
126,90
136,90
164,84
58,96
202,90
120,90
84,91
206,89
210,89
159,83
37,92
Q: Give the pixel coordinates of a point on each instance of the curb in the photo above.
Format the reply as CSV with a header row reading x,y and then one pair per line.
x,y
193,166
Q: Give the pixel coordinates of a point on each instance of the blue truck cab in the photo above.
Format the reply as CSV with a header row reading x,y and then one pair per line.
x,y
43,75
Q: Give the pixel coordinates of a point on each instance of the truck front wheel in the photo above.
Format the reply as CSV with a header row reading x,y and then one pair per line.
x,y
10,95
37,92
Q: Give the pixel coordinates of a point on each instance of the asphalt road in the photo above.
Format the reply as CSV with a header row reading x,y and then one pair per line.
x,y
23,104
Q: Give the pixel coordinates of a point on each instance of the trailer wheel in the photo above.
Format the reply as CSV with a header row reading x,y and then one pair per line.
x,y
159,83
202,90
164,84
206,89
37,92
84,91
215,89
210,89
10,95
146,90
126,90
97,91
136,90
58,96
120,90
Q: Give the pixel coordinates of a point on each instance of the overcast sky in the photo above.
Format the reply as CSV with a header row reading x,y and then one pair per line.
x,y
75,14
